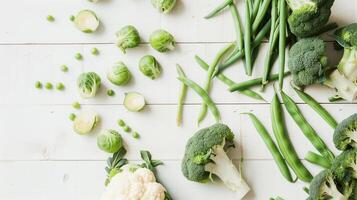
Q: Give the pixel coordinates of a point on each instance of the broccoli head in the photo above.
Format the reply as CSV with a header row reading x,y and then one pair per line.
x,y
347,38
308,65
205,155
345,165
308,17
324,187
345,135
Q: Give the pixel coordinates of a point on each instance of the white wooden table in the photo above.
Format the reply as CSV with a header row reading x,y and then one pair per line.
x,y
41,158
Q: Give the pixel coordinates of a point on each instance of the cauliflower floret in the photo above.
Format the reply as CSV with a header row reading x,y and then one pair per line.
x,y
134,183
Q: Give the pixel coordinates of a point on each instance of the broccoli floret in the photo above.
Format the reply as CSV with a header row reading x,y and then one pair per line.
x,y
324,187
347,38
308,65
205,155
345,165
345,135
308,17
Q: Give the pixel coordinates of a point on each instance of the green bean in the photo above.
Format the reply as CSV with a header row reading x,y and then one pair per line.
x,y
182,96
284,142
211,70
305,127
229,82
248,40
203,94
219,8
256,7
279,159
240,54
317,107
253,82
261,14
282,42
238,27
317,159
272,42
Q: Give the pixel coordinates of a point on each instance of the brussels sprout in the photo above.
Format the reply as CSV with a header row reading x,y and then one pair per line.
x,y
162,41
109,141
164,6
119,74
127,37
149,66
86,21
85,122
134,101
88,84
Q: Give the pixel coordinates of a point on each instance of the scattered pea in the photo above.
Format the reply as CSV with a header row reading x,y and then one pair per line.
x,y
48,86
76,105
50,18
136,135
78,56
121,123
95,51
38,85
60,86
72,18
110,93
64,68
127,129
72,116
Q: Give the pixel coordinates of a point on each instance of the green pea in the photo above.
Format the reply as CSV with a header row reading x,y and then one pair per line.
x,y
121,123
50,18
78,56
95,51
72,116
72,18
110,93
127,129
60,86
48,86
76,105
136,135
64,68
38,85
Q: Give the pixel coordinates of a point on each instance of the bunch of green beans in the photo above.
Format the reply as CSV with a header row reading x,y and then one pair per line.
x,y
182,96
229,82
317,107
305,127
317,160
279,159
284,142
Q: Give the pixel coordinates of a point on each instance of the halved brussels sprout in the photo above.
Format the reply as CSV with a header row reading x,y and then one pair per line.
x,y
163,6
88,84
127,37
109,141
87,21
149,66
162,41
85,122
119,74
134,101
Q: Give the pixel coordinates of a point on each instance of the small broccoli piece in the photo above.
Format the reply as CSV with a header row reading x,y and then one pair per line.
x,y
308,17
205,155
345,165
308,65
324,187
345,135
347,38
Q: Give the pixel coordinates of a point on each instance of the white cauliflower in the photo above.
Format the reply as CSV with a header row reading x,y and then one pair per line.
x,y
134,183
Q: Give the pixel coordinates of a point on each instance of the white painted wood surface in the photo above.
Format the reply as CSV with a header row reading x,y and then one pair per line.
x,y
40,156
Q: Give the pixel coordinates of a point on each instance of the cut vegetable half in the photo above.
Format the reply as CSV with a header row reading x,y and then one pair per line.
x,y
85,122
134,101
86,21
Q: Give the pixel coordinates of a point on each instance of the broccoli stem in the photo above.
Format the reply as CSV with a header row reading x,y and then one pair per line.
x,y
345,88
223,167
331,190
296,4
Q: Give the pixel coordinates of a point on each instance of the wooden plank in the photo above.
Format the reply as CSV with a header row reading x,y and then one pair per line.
x,y
28,22
74,180
27,64
45,132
